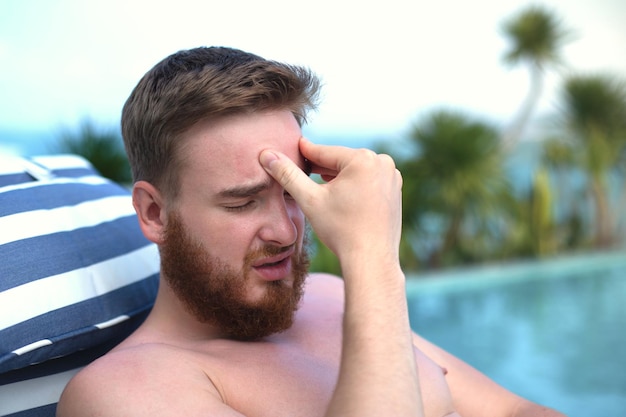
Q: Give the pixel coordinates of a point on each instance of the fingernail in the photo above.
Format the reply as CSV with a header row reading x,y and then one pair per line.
x,y
267,158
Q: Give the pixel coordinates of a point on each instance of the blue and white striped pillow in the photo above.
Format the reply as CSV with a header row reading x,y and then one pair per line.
x,y
76,273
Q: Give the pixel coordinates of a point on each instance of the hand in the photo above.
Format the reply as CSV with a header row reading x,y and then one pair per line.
x,y
358,210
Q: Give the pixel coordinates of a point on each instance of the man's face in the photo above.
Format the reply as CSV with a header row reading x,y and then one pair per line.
x,y
233,248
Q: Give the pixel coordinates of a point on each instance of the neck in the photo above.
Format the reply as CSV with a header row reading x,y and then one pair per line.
x,y
173,321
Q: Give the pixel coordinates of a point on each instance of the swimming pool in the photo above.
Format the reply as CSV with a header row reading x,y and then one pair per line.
x,y
552,331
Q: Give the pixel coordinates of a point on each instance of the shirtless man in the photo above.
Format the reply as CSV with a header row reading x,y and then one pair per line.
x,y
239,327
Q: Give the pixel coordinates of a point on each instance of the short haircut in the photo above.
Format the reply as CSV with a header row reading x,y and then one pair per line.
x,y
204,84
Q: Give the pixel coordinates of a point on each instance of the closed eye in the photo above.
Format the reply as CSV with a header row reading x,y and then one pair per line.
x,y
240,207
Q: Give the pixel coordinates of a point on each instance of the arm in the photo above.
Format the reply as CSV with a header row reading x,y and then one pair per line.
x,y
358,216
374,376
475,394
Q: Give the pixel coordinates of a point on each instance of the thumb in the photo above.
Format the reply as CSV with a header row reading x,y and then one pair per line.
x,y
289,175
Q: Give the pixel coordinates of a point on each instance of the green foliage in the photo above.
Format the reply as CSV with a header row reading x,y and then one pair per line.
x,y
456,180
541,221
557,154
596,103
104,149
593,115
323,259
561,160
536,35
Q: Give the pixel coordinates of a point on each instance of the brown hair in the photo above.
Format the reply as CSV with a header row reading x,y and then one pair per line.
x,y
201,84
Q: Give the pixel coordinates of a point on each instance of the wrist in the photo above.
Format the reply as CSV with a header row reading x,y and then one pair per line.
x,y
372,259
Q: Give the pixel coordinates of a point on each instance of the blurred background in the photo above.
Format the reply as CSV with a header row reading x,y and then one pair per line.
x,y
507,119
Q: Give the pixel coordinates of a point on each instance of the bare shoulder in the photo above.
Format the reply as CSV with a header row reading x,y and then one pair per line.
x,y
325,285
141,380
324,294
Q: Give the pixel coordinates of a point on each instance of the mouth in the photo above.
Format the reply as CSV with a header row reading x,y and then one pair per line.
x,y
270,264
274,260
275,267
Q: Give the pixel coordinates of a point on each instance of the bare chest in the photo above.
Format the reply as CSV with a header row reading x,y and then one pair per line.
x,y
278,380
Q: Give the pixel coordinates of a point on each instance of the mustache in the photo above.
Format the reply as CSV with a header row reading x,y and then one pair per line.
x,y
266,251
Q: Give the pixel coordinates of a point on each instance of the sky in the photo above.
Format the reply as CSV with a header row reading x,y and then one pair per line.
x,y
383,63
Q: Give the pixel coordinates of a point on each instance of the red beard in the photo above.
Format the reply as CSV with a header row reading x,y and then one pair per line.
x,y
215,293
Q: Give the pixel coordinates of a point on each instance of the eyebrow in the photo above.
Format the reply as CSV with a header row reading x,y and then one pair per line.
x,y
243,191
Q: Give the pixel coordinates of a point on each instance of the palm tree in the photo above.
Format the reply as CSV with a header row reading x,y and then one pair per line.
x,y
594,113
541,225
560,158
456,182
103,149
536,36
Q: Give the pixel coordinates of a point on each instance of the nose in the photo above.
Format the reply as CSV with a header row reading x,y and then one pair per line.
x,y
280,227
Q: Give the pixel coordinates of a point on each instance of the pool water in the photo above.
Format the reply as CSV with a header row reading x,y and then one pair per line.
x,y
552,331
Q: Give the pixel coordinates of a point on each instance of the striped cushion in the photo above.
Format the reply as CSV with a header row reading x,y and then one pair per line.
x,y
76,273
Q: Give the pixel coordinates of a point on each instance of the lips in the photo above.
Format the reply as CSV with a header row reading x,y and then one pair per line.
x,y
272,260
270,264
275,267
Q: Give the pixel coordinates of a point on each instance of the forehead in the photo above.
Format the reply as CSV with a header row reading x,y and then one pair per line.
x,y
226,153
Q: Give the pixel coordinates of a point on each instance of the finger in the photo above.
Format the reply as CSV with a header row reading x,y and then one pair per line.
x,y
312,167
325,173
289,175
325,159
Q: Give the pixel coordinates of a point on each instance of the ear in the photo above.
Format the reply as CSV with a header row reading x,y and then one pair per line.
x,y
151,211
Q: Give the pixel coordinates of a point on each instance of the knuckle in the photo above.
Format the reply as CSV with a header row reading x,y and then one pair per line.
x,y
366,154
368,159
387,160
286,176
399,178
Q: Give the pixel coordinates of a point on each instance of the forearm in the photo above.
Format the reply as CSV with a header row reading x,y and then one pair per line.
x,y
529,409
358,215
378,373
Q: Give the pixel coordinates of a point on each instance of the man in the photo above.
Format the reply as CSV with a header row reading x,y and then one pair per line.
x,y
238,328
